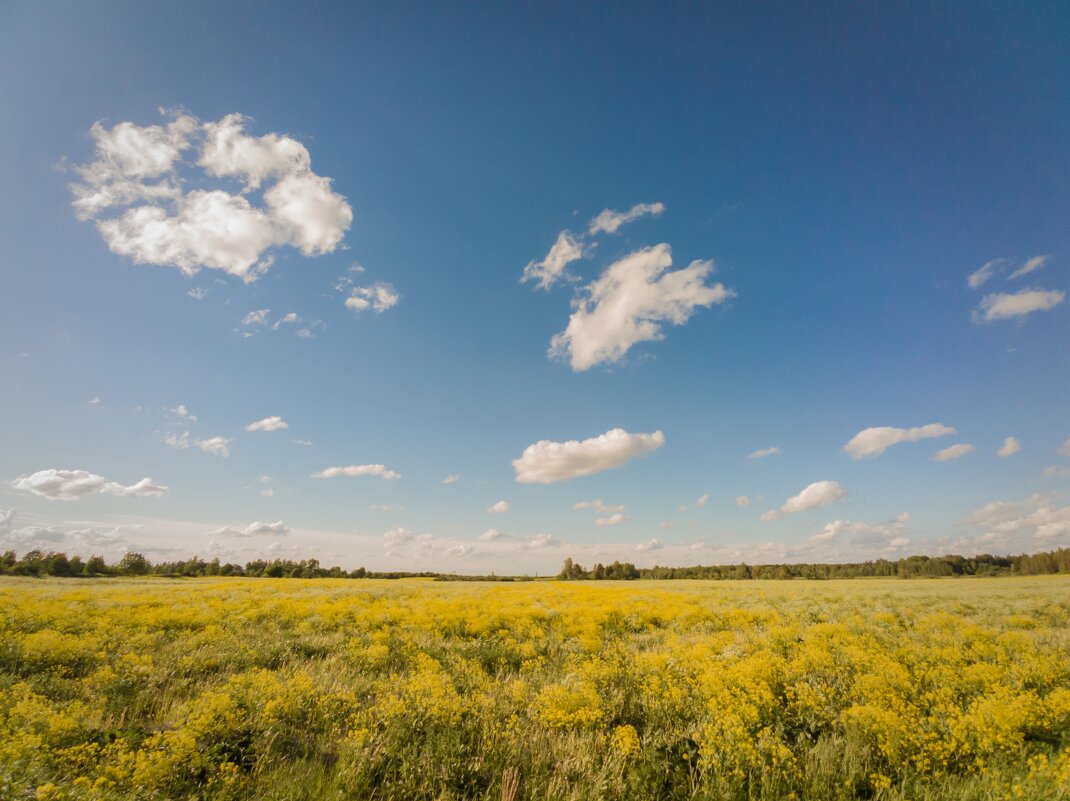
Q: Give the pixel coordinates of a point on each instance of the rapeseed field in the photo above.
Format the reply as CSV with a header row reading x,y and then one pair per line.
x,y
287,689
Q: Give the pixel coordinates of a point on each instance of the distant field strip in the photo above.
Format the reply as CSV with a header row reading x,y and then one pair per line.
x,y
288,689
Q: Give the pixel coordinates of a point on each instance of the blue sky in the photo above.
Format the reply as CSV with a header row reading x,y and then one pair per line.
x,y
811,190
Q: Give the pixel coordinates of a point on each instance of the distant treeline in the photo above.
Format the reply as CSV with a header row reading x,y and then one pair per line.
x,y
910,567
41,563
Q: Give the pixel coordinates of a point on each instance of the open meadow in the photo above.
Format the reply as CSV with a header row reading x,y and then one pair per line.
x,y
413,689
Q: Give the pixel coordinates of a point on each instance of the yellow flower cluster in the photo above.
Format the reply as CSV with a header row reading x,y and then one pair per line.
x,y
239,689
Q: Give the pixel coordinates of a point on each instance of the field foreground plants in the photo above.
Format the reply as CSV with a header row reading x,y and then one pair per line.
x,y
282,689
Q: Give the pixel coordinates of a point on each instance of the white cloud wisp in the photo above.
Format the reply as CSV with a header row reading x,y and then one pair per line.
x,y
70,485
872,442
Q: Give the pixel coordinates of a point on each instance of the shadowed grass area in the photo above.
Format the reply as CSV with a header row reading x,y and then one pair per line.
x,y
282,689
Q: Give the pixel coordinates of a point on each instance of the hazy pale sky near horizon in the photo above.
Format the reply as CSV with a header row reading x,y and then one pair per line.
x,y
478,286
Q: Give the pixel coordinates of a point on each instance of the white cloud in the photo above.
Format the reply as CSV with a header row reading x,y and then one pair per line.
x,y
267,493
304,443
1036,516
70,485
358,470
378,297
140,175
816,495
257,529
546,462
742,500
552,269
1056,471
874,441
229,152
956,451
1002,306
1064,449
258,317
612,520
702,501
498,508
177,441
598,506
887,534
452,478
761,454
182,411
94,401
273,423
491,534
290,318
219,446
985,272
611,221
459,551
198,293
6,517
653,544
629,303
1032,264
543,541
1010,447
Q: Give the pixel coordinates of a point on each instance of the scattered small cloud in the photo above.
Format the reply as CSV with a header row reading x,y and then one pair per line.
x,y
956,451
543,541
552,269
258,317
273,423
653,544
872,442
598,506
1031,265
1003,306
95,401
742,500
630,302
1056,471
378,470
198,293
985,272
378,297
218,446
547,462
610,222
183,412
304,443
702,500
257,529
1009,447
762,453
452,478
491,534
498,508
290,318
816,495
612,520
70,485
1064,449
178,441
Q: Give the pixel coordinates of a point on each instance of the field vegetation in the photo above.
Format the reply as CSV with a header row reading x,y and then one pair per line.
x,y
237,688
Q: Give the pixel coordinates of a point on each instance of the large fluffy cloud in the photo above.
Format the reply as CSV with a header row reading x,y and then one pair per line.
x,y
379,470
818,494
1003,306
630,302
875,441
546,462
1037,516
135,191
70,485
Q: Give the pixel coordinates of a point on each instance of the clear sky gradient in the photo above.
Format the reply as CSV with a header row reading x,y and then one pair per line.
x,y
817,191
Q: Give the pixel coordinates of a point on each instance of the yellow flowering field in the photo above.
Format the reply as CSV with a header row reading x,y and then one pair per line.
x,y
413,689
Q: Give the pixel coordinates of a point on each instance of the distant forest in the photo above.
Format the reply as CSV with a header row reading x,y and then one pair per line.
x,y
40,563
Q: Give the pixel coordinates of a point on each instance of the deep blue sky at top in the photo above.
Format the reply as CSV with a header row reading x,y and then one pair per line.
x,y
846,165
